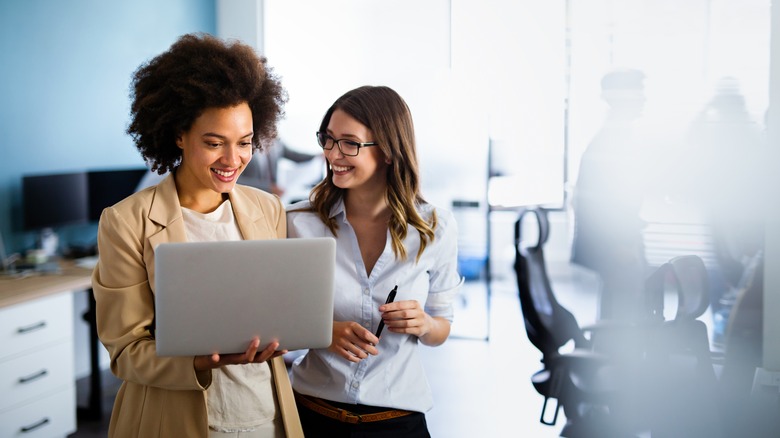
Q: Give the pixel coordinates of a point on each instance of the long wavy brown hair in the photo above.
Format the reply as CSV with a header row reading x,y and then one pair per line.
x,y
197,72
386,114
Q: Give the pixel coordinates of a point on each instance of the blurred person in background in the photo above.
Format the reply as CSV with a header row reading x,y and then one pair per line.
x,y
608,196
263,171
720,175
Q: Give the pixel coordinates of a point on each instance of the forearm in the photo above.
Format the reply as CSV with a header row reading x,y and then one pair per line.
x,y
438,333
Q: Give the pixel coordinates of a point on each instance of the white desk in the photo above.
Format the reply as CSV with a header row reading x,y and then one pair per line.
x,y
37,356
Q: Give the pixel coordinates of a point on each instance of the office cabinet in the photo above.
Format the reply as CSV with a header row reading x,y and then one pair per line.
x,y
36,368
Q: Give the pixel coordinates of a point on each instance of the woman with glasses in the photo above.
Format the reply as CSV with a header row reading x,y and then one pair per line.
x,y
370,381
198,111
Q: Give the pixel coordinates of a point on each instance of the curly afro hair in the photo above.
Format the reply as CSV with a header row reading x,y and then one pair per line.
x,y
200,71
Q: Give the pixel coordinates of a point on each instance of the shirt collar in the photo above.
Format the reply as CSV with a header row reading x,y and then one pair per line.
x,y
338,209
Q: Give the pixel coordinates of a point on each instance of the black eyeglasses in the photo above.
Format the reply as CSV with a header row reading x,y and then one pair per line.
x,y
349,148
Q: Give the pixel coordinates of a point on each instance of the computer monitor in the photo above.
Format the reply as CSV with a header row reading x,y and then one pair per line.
x,y
54,200
4,262
107,187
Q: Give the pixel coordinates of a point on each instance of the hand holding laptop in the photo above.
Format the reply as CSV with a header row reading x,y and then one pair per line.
x,y
251,355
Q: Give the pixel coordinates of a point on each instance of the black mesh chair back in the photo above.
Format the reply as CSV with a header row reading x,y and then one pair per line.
x,y
548,324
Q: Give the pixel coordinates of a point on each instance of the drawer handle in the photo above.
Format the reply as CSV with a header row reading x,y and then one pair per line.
x,y
31,328
32,377
32,427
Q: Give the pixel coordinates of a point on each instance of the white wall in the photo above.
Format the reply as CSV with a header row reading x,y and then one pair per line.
x,y
241,20
470,71
323,49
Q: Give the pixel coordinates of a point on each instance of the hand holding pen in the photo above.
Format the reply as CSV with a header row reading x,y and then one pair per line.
x,y
407,317
390,299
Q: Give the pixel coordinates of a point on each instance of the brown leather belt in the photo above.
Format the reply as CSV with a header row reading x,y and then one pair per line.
x,y
322,407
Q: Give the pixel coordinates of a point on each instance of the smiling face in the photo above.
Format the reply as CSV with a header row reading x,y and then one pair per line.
x,y
215,150
366,170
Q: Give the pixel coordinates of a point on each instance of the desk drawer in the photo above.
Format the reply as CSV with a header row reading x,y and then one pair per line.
x,y
52,416
29,325
26,377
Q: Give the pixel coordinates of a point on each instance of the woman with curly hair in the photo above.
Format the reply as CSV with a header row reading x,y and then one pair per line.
x,y
387,238
198,112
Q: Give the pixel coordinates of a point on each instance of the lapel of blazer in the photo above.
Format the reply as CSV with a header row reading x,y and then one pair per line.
x,y
165,212
247,214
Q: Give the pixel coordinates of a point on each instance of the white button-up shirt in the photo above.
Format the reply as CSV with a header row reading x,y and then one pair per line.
x,y
395,378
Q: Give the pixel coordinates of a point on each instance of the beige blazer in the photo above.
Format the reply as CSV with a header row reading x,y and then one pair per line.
x,y
164,396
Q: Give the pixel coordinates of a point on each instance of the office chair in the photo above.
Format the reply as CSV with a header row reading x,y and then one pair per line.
x,y
685,333
578,381
680,382
627,377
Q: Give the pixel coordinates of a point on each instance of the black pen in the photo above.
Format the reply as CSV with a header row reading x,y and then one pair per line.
x,y
389,300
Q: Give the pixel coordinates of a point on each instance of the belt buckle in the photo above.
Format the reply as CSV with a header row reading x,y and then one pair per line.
x,y
346,416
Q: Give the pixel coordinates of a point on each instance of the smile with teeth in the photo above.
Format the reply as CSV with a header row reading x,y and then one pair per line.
x,y
336,168
226,174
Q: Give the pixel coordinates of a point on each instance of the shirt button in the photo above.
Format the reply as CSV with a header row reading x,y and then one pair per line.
x,y
366,291
355,385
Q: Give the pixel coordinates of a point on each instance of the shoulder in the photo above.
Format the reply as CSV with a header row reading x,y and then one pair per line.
x,y
256,203
444,217
128,217
301,211
255,195
300,205
135,203
302,221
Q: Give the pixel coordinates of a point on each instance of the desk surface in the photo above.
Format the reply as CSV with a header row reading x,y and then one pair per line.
x,y
15,290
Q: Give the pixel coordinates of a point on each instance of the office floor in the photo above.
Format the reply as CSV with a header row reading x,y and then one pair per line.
x,y
483,388
480,388
94,428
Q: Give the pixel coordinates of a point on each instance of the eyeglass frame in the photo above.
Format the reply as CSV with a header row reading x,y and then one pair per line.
x,y
337,142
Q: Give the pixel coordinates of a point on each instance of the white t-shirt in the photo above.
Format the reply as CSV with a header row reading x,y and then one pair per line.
x,y
241,397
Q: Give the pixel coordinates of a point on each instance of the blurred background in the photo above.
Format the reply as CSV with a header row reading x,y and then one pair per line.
x,y
642,124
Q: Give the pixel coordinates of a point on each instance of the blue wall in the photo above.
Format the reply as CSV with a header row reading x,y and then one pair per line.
x,y
65,69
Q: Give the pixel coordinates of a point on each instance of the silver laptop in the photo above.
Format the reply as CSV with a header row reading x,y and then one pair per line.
x,y
214,297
